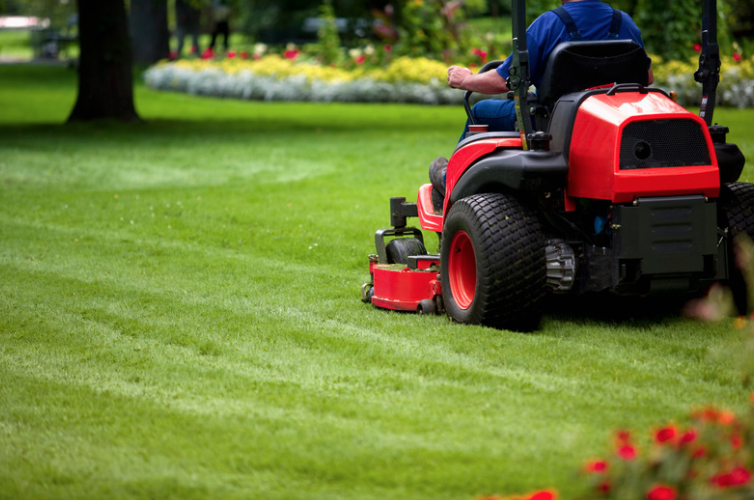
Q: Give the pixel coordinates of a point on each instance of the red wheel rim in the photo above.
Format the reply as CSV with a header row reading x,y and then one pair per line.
x,y
462,270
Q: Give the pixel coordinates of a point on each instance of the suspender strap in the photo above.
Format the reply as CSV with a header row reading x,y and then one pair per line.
x,y
573,31
614,32
570,25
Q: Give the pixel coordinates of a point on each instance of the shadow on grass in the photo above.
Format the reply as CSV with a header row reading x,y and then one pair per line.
x,y
612,309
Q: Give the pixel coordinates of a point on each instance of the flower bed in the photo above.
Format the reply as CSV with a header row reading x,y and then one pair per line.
x,y
276,78
404,80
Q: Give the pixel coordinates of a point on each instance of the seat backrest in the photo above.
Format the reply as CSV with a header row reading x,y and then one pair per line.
x,y
576,66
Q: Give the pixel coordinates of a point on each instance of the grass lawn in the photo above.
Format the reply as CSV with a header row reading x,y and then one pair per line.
x,y
180,317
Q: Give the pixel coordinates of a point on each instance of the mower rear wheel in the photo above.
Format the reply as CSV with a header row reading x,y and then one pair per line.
x,y
493,263
399,249
737,203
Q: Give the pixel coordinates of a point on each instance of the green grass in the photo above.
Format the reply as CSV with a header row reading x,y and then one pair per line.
x,y
180,317
15,44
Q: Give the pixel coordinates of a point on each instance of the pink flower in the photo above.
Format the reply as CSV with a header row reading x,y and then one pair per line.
x,y
256,57
232,54
361,59
662,492
290,54
737,57
207,54
244,55
172,55
697,47
388,48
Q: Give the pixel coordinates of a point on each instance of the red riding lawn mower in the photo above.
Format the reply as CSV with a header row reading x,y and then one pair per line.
x,y
612,189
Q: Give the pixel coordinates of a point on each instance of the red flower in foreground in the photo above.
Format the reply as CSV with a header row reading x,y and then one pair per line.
x,y
543,495
666,434
737,57
736,477
709,414
244,55
480,53
688,437
626,452
597,466
726,417
697,47
623,438
662,492
290,54
736,441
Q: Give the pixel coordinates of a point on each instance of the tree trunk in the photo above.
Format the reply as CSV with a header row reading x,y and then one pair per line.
x,y
149,30
105,78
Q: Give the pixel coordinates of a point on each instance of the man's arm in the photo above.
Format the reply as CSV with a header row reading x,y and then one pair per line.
x,y
489,82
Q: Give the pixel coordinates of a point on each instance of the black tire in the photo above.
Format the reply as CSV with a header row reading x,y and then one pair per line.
x,y
737,212
493,263
398,250
426,306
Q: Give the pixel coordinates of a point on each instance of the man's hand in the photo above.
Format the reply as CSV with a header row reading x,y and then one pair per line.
x,y
456,76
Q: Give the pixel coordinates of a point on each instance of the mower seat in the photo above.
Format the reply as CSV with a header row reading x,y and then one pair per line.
x,y
577,66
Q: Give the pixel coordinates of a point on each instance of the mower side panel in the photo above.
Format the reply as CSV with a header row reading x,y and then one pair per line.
x,y
428,219
511,169
595,150
466,155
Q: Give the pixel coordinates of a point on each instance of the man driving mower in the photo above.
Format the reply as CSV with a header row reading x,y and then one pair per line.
x,y
575,20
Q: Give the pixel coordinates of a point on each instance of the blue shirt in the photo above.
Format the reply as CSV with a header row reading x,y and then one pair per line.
x,y
592,18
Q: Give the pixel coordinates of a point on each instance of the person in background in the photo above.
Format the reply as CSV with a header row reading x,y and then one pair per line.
x,y
188,20
220,15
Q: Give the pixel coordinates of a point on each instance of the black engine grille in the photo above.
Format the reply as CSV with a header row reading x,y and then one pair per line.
x,y
663,143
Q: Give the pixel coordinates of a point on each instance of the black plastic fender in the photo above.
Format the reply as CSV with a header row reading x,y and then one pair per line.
x,y
516,170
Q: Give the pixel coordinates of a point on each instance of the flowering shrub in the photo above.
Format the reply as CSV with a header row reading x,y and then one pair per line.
x,y
736,88
709,458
